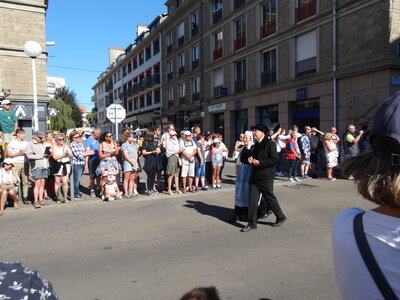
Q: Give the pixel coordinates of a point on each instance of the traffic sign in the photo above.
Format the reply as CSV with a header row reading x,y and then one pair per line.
x,y
52,112
116,113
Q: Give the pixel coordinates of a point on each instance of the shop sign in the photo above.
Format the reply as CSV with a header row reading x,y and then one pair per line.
x,y
302,93
217,107
395,80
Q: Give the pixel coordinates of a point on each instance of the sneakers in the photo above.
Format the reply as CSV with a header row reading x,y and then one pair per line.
x,y
218,186
204,188
279,174
110,199
214,187
119,198
332,179
297,179
92,193
291,179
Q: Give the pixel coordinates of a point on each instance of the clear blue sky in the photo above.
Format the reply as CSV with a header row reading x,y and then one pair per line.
x,y
83,30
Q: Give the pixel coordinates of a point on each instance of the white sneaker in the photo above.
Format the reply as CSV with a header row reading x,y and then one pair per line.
x,y
297,179
291,179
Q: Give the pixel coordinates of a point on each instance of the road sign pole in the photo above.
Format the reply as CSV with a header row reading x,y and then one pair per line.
x,y
116,124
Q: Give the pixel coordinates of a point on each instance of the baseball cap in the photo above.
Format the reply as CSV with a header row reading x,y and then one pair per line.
x,y
4,102
173,132
8,161
216,141
386,124
187,132
207,133
39,134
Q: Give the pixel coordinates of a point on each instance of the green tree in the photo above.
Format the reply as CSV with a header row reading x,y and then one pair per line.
x,y
69,98
63,120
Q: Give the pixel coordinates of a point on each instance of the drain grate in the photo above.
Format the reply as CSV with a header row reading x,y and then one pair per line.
x,y
300,186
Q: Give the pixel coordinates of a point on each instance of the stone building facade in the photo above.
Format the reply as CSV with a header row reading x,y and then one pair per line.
x,y
304,62
22,21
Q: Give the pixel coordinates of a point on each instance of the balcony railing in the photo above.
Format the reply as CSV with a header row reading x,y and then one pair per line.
x,y
196,97
306,10
170,103
130,92
181,71
169,48
195,64
182,100
240,85
156,79
240,42
135,88
268,77
109,86
306,66
181,40
142,85
220,91
217,15
268,28
148,81
238,3
217,53
169,76
141,60
195,29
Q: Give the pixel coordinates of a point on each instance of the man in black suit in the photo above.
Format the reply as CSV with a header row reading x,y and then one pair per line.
x,y
263,157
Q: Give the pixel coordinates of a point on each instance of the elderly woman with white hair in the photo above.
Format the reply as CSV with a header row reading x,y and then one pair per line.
x,y
366,244
293,155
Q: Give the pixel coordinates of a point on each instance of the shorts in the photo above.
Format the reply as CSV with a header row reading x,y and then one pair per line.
x,y
8,137
187,170
7,187
93,164
40,173
60,172
200,170
305,160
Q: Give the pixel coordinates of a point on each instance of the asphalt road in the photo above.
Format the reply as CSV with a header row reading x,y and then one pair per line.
x,y
159,247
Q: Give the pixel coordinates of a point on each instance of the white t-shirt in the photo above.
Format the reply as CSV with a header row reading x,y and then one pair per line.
x,y
207,153
14,147
352,275
223,147
111,188
189,147
6,177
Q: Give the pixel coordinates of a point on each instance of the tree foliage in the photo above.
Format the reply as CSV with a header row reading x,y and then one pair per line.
x,y
69,98
63,120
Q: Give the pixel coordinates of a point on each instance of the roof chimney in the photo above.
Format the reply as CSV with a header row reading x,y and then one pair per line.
x,y
141,28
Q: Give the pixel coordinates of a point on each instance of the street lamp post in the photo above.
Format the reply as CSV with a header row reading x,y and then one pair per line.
x,y
33,50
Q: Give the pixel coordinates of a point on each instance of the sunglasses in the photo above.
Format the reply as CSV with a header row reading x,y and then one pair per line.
x,y
8,104
108,135
60,139
75,137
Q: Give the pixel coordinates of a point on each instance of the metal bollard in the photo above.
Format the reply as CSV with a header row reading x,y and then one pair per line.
x,y
71,185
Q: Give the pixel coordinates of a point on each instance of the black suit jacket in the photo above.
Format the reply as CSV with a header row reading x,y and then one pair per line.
x,y
267,154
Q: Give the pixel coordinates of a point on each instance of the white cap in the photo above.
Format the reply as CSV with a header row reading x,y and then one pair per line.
x,y
172,132
8,161
187,132
5,102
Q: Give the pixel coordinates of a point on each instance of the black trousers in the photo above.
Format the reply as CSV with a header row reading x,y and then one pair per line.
x,y
209,171
266,188
151,178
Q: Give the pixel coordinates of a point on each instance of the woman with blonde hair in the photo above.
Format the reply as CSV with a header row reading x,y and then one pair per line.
x,y
366,244
130,165
331,154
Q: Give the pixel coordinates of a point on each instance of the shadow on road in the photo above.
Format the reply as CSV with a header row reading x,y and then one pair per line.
x,y
221,213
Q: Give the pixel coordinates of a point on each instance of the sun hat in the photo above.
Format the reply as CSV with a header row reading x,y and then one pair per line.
x,y
8,161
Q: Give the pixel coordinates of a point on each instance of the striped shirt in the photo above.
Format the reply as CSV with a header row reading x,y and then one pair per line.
x,y
78,150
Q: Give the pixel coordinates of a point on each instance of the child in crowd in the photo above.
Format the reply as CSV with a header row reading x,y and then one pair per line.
x,y
7,181
217,161
112,190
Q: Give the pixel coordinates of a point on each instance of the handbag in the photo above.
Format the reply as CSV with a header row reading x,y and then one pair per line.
x,y
179,161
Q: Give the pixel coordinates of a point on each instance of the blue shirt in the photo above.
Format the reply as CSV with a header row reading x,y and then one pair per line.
x,y
93,145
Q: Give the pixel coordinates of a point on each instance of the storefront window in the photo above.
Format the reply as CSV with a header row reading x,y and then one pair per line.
x,y
241,122
306,113
269,115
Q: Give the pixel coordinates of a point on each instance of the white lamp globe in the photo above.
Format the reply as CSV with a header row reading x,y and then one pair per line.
x,y
32,49
202,114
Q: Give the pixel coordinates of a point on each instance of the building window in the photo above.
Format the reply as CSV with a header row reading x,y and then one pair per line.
x,y
305,9
218,43
135,104
240,33
130,105
129,67
195,23
181,33
149,99
170,70
156,47
169,42
170,97
181,63
240,75
148,52
269,115
182,93
219,82
171,9
217,15
142,104
156,74
141,58
268,73
195,57
268,18
124,71
238,3
134,64
306,54
157,96
196,89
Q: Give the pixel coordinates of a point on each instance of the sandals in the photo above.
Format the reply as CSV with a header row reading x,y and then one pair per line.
x,y
43,203
36,205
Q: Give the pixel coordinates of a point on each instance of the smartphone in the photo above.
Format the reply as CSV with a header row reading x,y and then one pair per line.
x,y
47,151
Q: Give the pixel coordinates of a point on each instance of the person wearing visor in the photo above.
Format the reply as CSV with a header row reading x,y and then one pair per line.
x,y
366,244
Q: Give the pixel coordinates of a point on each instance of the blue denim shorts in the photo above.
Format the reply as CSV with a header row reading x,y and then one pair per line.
x,y
200,170
40,173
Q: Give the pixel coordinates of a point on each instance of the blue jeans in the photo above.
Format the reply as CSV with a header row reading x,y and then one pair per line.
x,y
78,171
293,165
200,170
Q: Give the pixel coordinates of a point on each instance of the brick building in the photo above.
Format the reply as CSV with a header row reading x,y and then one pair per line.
x,y
22,21
229,64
